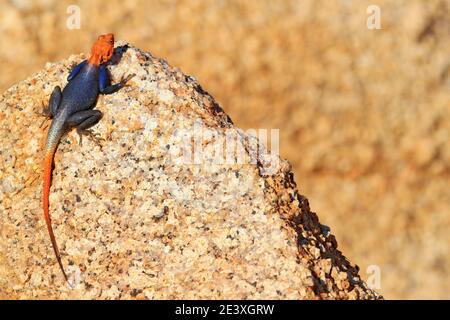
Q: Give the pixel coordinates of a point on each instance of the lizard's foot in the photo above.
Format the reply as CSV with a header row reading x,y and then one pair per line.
x,y
96,137
46,113
124,79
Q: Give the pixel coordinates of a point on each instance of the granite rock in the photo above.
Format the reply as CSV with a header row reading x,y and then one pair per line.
x,y
153,208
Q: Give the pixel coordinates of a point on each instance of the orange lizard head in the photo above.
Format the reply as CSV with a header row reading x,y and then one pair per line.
x,y
102,50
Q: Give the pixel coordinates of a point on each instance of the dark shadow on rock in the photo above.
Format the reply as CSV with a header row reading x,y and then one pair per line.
x,y
117,55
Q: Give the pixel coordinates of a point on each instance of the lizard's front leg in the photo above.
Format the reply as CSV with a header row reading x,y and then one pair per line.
x,y
104,84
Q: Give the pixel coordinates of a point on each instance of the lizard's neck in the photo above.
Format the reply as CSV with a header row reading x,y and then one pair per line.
x,y
95,60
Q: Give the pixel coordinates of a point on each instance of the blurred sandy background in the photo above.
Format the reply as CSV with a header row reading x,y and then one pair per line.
x,y
364,115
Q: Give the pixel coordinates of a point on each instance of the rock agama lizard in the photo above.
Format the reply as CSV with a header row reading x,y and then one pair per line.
x,y
73,107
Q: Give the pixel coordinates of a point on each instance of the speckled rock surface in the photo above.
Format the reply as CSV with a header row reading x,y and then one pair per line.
x,y
133,221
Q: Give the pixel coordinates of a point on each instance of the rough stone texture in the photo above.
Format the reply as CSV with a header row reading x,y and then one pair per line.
x,y
132,222
363,114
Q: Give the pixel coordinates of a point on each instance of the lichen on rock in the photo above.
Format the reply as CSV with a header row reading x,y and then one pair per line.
x,y
140,214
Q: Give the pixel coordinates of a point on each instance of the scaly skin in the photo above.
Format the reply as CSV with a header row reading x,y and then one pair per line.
x,y
73,107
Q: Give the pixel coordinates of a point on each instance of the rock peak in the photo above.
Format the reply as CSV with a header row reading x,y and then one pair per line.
x,y
158,209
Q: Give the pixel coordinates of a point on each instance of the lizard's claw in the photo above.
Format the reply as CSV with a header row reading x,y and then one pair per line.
x,y
124,79
96,137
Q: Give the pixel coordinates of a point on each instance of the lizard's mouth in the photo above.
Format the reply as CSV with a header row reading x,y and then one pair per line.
x,y
102,50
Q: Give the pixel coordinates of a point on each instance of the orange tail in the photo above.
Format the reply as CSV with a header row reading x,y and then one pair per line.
x,y
48,164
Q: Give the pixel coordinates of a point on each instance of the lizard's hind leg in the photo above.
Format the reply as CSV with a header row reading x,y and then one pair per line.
x,y
53,103
83,120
